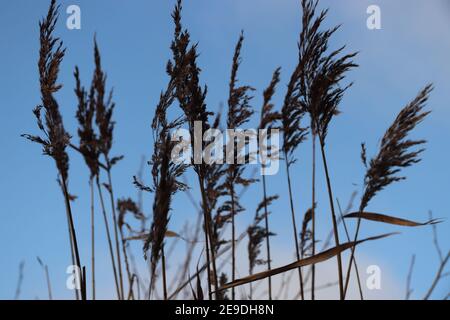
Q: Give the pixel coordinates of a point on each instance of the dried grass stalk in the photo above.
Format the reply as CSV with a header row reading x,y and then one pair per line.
x,y
55,138
321,92
396,152
239,113
256,235
269,120
104,108
184,73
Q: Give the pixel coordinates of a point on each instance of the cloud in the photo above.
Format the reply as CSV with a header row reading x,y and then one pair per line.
x,y
326,280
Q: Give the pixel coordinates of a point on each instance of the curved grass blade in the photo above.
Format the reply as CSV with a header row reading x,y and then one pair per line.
x,y
390,219
323,256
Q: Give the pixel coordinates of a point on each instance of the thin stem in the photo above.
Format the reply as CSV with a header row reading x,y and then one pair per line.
x,y
163,263
116,229
437,277
91,185
203,267
233,242
294,225
408,279
435,238
108,235
83,283
19,281
138,288
130,289
266,220
333,217
72,232
354,260
209,248
352,257
72,255
49,286
127,265
313,216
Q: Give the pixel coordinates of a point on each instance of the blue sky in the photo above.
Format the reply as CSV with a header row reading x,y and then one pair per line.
x,y
410,50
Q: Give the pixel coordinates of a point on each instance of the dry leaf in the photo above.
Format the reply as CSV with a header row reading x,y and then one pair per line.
x,y
323,256
389,219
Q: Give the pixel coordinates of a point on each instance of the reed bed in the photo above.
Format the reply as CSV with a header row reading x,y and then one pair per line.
x,y
209,269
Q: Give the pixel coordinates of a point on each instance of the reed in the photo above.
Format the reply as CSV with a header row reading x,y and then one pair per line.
x,y
104,108
256,236
396,152
314,92
166,174
125,206
90,148
293,135
55,139
239,113
269,120
321,94
184,74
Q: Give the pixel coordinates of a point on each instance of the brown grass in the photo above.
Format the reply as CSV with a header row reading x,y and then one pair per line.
x,y
314,92
396,152
55,139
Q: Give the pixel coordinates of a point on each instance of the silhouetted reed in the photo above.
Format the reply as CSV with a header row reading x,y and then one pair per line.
x,y
396,152
320,95
315,89
269,120
239,113
55,139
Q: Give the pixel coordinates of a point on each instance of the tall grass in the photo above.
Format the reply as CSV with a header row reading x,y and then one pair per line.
x,y
321,94
293,135
396,152
185,73
56,138
239,113
269,120
314,92
91,146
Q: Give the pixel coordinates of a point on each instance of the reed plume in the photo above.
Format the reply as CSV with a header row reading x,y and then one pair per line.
x,y
88,148
55,138
165,174
86,132
294,133
320,95
256,235
184,73
216,189
125,206
306,242
91,147
104,108
239,113
269,120
396,152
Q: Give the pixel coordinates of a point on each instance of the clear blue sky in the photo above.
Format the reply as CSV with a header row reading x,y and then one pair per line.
x,y
410,50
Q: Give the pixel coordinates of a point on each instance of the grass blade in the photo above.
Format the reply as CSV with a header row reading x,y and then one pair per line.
x,y
323,256
390,219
